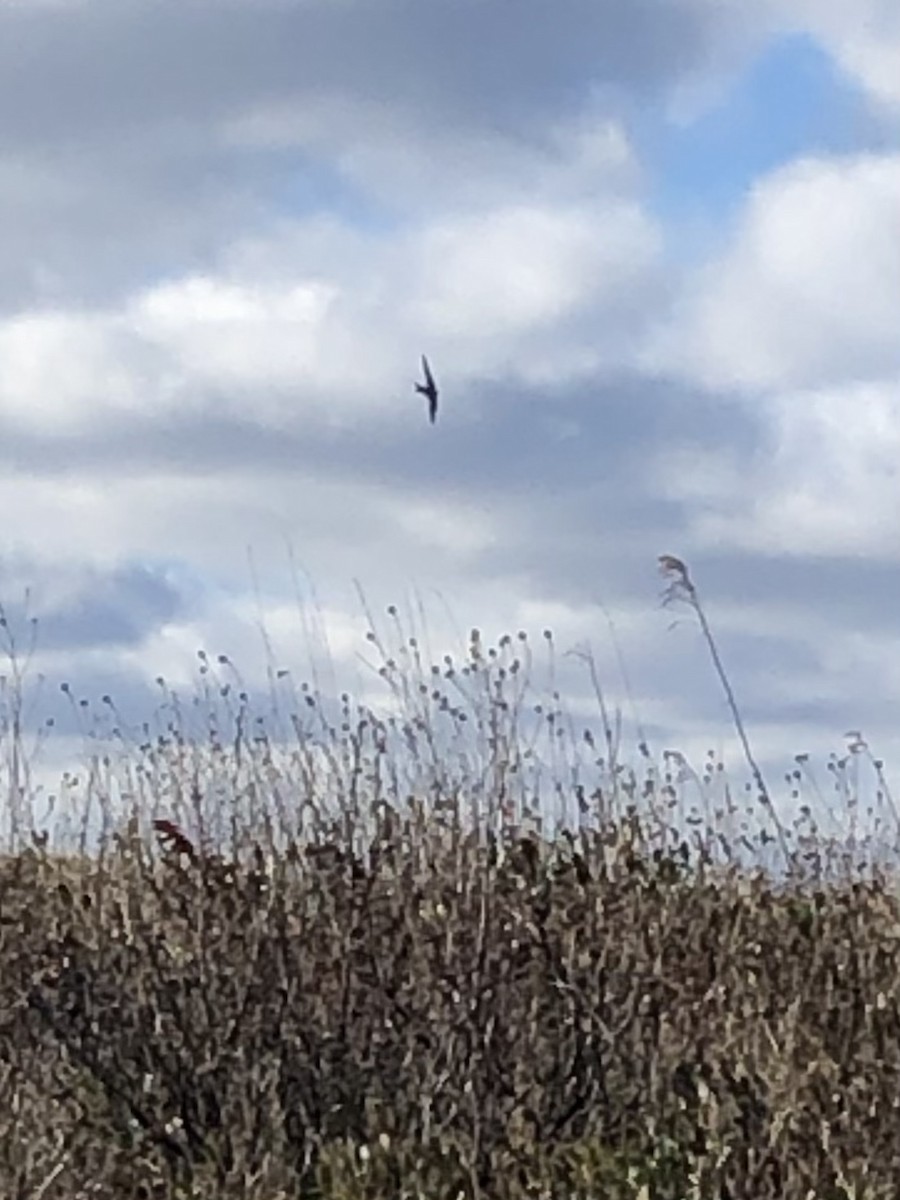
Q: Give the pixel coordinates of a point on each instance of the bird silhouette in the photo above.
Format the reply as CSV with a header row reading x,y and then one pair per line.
x,y
429,389
174,839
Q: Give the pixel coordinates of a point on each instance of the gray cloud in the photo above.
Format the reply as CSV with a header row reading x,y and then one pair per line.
x,y
83,608
116,160
87,74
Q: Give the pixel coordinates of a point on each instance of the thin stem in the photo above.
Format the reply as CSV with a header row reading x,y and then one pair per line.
x,y
683,588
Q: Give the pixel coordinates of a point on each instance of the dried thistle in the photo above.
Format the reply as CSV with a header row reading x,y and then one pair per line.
x,y
669,565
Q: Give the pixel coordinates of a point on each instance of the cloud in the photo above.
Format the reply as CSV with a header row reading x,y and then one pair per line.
x,y
824,485
808,291
437,63
864,39
509,289
82,609
171,129
228,234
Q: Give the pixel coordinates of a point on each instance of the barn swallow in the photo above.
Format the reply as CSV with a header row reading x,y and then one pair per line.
x,y
429,389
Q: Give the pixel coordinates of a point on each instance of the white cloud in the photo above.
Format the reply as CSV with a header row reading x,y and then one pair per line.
x,y
826,483
520,270
809,290
459,529
391,160
862,35
60,371
335,338
238,336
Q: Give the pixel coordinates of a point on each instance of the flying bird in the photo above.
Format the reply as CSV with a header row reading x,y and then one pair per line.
x,y
429,389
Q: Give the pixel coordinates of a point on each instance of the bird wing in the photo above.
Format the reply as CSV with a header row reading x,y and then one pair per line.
x,y
429,378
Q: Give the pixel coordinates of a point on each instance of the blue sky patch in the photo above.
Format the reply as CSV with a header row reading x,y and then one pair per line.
x,y
790,101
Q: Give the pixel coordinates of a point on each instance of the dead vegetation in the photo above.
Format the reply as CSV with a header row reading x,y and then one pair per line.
x,y
568,1019
414,990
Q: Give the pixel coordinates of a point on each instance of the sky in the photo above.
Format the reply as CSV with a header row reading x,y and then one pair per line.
x,y
652,251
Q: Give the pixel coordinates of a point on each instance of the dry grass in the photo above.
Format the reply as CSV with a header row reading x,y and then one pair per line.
x,y
358,966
